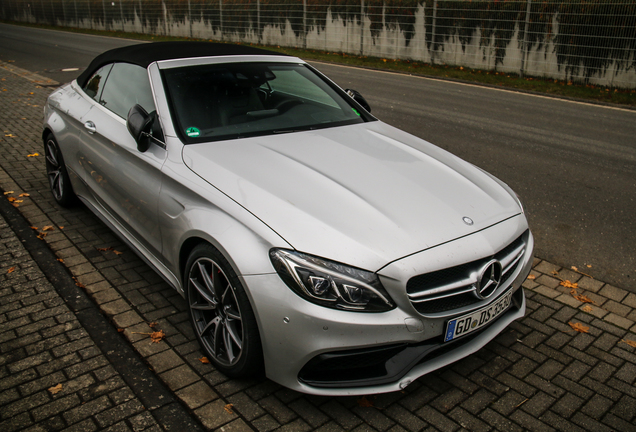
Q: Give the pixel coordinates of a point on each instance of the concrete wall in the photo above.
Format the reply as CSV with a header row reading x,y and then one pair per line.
x,y
349,36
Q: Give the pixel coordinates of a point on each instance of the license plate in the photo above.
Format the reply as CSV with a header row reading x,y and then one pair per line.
x,y
475,320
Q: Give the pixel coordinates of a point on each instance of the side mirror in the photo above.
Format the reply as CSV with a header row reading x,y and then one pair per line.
x,y
139,123
356,96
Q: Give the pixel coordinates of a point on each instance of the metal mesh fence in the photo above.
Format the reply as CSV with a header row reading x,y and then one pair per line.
x,y
590,41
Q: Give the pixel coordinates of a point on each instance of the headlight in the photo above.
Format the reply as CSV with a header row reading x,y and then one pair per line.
x,y
331,284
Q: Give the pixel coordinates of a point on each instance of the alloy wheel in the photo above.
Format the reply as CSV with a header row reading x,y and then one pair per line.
x,y
54,170
215,311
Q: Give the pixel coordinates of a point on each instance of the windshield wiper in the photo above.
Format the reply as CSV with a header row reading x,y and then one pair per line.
x,y
283,131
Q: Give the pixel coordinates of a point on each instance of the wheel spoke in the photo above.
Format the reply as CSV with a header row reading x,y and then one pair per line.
x,y
218,335
54,176
209,284
203,307
213,323
232,314
59,184
229,349
207,291
231,331
51,155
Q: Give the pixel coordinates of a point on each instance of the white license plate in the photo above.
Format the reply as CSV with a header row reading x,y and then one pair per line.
x,y
475,320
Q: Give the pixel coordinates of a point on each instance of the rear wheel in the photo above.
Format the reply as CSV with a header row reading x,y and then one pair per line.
x,y
59,181
221,314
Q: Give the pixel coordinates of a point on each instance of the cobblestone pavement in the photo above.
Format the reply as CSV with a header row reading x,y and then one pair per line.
x,y
539,374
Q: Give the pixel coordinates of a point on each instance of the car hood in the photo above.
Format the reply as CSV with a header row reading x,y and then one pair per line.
x,y
365,195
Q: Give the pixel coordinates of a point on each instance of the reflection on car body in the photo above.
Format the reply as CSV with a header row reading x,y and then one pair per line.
x,y
311,241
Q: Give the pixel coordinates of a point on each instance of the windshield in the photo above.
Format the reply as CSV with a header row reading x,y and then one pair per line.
x,y
226,101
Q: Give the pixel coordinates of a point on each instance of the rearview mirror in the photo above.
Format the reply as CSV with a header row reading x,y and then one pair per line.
x,y
356,96
139,123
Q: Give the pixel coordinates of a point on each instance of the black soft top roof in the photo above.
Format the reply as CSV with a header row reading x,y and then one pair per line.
x,y
147,53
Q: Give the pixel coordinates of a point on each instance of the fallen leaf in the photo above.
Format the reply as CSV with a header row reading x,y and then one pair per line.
x,y
157,336
589,266
33,155
152,324
61,260
11,270
579,327
587,308
568,284
120,330
631,343
583,299
24,194
531,277
554,272
18,201
35,228
56,389
48,228
364,402
228,408
60,227
574,268
116,252
106,249
204,360
15,205
8,192
11,199
9,135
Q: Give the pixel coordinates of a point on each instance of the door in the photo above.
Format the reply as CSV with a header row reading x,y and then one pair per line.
x,y
124,182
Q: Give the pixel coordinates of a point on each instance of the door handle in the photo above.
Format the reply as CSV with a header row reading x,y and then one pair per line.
x,y
90,127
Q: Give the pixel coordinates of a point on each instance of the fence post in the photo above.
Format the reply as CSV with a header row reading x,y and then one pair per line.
x,y
433,32
304,24
524,48
221,17
258,21
75,7
104,7
361,27
64,12
121,14
190,18
5,15
90,15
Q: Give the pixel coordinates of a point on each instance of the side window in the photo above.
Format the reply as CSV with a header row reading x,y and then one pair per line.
x,y
127,85
95,85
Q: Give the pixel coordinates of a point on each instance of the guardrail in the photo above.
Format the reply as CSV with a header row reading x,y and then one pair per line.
x,y
588,41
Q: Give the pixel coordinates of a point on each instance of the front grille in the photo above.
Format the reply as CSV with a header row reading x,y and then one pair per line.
x,y
455,287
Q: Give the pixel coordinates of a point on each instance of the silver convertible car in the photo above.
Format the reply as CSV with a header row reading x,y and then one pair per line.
x,y
311,241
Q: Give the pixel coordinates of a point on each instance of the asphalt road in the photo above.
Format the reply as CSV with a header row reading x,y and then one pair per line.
x,y
573,164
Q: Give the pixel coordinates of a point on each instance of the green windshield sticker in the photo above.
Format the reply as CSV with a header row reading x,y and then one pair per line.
x,y
192,132
356,111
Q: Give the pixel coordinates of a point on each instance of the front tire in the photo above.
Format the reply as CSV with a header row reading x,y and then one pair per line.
x,y
221,314
59,181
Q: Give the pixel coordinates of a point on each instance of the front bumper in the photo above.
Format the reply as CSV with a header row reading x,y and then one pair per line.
x,y
322,351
